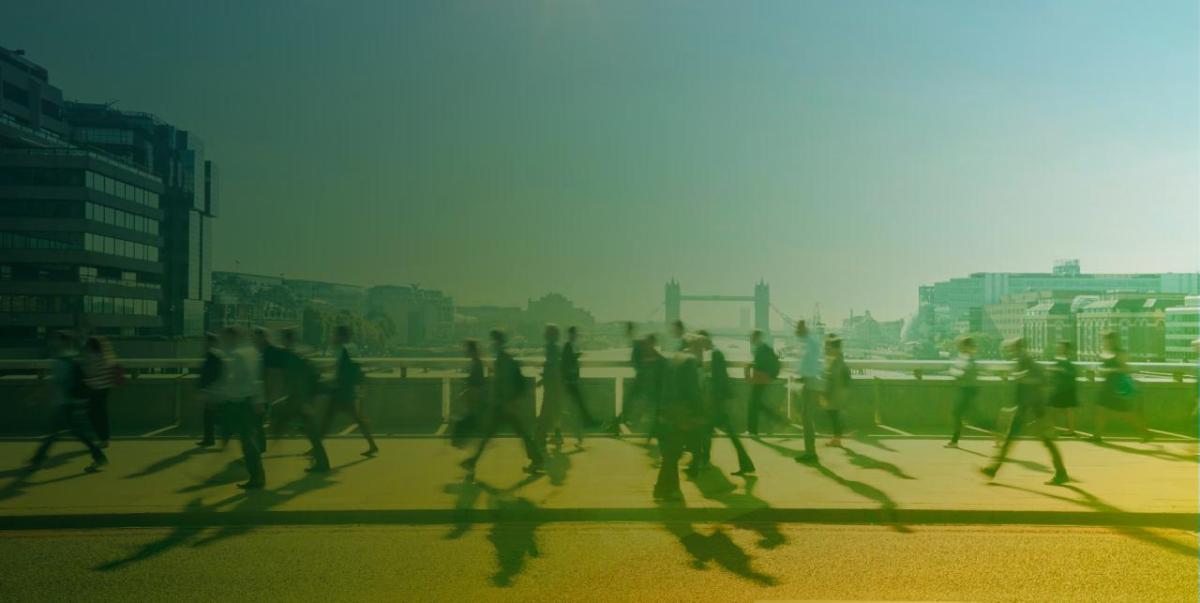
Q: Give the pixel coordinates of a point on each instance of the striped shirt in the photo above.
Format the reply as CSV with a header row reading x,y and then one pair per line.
x,y
99,372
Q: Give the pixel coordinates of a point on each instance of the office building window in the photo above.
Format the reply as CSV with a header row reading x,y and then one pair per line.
x,y
123,219
121,306
39,240
119,189
119,247
40,176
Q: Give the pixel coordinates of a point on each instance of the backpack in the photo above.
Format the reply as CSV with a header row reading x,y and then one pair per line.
x,y
771,366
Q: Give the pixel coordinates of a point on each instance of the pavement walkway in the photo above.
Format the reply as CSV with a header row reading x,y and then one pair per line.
x,y
156,482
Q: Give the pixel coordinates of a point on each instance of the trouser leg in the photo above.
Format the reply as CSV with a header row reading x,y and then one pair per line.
x,y
209,419
1055,456
960,408
316,440
98,414
80,432
671,447
363,425
1013,431
743,458
58,422
808,405
532,449
754,407
835,421
248,427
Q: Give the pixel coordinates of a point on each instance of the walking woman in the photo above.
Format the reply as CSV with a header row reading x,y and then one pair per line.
x,y
1119,393
1064,398
837,384
100,374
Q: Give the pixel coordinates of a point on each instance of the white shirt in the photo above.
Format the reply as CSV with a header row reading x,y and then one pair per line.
x,y
812,358
242,374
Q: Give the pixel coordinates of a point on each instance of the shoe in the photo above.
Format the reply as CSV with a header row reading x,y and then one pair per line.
x,y
834,443
557,440
318,469
668,496
743,472
807,457
205,443
96,465
951,445
309,452
1095,439
1058,479
535,467
372,451
989,471
252,485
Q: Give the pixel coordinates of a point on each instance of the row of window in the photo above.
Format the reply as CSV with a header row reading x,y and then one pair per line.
x,y
39,208
116,188
102,136
119,247
110,276
38,240
40,176
99,304
123,219
48,304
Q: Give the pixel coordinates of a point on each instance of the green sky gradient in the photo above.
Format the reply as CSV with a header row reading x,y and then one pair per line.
x,y
843,151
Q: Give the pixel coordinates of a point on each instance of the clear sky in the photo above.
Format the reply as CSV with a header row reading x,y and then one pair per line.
x,y
844,151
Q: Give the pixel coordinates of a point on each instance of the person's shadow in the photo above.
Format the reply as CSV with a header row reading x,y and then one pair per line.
x,y
166,463
514,529
887,506
558,464
1030,465
716,547
866,462
1157,452
713,485
1090,501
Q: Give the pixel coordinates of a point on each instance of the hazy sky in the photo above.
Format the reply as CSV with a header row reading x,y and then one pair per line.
x,y
844,151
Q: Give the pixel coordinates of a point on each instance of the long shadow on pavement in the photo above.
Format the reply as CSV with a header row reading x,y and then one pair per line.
x,y
859,459
713,485
1030,465
1090,501
887,506
513,533
167,462
1158,453
716,547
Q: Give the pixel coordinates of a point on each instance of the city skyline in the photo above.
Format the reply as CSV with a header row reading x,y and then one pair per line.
x,y
844,155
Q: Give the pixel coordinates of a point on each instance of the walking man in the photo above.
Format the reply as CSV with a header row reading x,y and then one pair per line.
x,y
809,369
67,395
241,387
1030,381
508,384
343,392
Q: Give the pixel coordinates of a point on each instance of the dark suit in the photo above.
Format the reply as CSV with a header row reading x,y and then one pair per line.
x,y
720,391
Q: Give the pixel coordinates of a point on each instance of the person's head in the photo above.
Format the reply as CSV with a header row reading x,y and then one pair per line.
x,y
211,341
230,337
756,337
1014,347
705,339
833,345
650,341
259,338
289,338
1110,341
966,345
499,339
61,342
677,329
550,333
1063,349
693,344
98,345
342,335
801,328
472,348
572,333
630,330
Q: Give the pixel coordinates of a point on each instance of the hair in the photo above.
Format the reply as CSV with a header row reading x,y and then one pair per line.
x,y
99,345
966,341
498,336
834,342
756,333
572,331
472,346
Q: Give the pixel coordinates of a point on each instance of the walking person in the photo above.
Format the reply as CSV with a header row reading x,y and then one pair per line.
x,y
629,395
966,376
837,386
719,394
571,380
274,362
301,386
761,373
679,417
1064,397
1030,381
810,372
241,387
66,393
101,374
1119,394
549,419
508,385
208,393
474,396
343,392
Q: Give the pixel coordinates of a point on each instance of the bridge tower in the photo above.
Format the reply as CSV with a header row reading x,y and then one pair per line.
x,y
673,301
762,307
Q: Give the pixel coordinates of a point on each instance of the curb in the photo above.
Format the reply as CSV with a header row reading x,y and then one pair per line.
x,y
892,517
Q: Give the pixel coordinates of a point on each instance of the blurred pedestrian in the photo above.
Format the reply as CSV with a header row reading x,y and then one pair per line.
x,y
344,395
966,377
67,394
837,387
810,372
1064,397
1119,393
761,373
241,387
1030,383
508,387
718,395
101,374
207,391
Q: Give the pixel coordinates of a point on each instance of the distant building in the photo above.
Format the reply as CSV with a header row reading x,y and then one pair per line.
x,y
524,325
81,232
418,316
1183,328
1006,318
864,332
1046,324
963,298
275,302
1139,319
